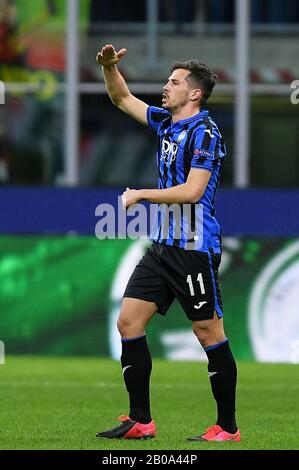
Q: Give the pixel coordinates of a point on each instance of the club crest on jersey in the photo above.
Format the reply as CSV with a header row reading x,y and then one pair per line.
x,y
169,151
182,136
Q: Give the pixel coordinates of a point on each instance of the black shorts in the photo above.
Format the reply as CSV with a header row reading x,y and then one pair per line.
x,y
167,272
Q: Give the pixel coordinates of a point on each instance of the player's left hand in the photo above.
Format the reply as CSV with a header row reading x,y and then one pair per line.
x,y
130,197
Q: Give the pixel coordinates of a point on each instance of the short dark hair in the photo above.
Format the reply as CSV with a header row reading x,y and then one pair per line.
x,y
201,76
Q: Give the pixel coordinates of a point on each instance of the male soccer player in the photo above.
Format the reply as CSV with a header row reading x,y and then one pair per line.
x,y
183,260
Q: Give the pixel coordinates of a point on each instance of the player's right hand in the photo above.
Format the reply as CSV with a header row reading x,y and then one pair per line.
x,y
108,56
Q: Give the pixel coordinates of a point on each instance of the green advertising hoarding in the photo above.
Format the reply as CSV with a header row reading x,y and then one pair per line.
x,y
61,296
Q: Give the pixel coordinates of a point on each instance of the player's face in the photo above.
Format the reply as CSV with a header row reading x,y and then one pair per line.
x,y
177,91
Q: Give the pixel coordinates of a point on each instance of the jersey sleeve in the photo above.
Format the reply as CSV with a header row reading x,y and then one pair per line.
x,y
208,149
155,117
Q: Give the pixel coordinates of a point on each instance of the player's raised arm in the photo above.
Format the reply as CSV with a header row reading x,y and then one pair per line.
x,y
116,86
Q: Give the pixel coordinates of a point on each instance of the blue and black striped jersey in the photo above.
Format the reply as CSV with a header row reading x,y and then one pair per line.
x,y
194,142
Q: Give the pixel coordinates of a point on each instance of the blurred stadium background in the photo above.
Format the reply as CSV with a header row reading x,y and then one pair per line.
x,y
64,149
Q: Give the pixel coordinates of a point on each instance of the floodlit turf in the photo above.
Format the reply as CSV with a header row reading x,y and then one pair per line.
x,y
51,403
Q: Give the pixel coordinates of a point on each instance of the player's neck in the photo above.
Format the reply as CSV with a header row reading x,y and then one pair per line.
x,y
184,113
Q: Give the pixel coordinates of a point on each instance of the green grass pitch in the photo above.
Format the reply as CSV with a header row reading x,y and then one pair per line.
x,y
60,403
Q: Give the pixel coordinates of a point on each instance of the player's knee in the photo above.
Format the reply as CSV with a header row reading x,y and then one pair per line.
x,y
122,325
127,327
203,336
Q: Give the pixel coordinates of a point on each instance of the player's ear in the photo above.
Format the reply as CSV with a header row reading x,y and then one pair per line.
x,y
196,94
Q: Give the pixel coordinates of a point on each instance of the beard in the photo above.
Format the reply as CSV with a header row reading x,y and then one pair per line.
x,y
174,106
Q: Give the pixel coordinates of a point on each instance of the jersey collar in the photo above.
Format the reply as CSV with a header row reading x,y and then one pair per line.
x,y
202,114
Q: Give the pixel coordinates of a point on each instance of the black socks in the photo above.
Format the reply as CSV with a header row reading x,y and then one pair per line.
x,y
223,376
136,364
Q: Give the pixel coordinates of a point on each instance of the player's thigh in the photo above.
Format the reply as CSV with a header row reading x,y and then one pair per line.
x,y
148,283
135,313
193,277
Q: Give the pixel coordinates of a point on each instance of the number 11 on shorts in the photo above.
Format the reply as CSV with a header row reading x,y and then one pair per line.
x,y
199,280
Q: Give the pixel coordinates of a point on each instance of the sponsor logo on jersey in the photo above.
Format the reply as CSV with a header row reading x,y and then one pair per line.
x,y
210,133
169,151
